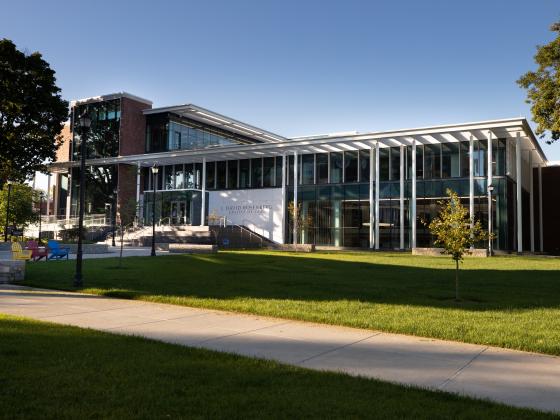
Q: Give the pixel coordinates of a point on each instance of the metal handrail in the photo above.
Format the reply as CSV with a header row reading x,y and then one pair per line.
x,y
243,229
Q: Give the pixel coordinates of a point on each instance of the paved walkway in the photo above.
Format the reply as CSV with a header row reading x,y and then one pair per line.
x,y
512,377
114,251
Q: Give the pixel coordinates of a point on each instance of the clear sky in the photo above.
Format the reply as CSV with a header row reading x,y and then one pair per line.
x,y
296,67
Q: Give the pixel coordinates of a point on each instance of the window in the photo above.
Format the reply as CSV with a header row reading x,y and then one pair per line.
x,y
336,167
268,172
244,173
197,175
364,165
419,162
210,174
221,175
322,168
256,173
278,167
351,166
307,169
465,165
232,174
449,160
384,164
189,175
168,177
479,157
432,161
103,138
290,170
176,140
159,178
179,177
395,163
499,156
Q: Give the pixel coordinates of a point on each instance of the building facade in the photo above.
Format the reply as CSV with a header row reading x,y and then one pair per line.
x,y
366,190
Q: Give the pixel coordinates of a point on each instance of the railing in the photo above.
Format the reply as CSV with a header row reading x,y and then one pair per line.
x,y
89,220
223,222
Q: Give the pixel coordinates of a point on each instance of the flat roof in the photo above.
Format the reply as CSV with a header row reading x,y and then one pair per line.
x,y
110,96
214,119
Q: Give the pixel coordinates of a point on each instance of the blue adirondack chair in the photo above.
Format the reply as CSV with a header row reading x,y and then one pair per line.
x,y
57,251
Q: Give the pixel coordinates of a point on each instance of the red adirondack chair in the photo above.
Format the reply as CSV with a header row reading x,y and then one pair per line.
x,y
37,252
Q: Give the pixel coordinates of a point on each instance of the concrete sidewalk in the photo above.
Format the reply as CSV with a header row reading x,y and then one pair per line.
x,y
511,377
114,252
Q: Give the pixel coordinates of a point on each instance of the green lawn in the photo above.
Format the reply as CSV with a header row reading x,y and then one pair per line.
x,y
509,302
58,372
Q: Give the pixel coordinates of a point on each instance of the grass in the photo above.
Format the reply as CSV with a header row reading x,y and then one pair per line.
x,y
60,372
511,302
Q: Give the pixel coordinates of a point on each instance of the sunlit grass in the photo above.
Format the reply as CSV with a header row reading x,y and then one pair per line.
x,y
509,302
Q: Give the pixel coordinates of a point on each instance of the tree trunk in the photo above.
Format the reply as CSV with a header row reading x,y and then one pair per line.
x,y
457,280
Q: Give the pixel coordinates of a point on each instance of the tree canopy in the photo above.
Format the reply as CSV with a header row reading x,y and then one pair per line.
x,y
32,113
22,201
543,88
454,232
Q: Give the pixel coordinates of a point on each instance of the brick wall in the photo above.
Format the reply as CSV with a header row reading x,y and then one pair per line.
x,y
133,127
63,153
551,203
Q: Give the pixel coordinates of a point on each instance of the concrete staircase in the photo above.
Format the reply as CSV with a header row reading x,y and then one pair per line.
x,y
222,237
183,234
240,237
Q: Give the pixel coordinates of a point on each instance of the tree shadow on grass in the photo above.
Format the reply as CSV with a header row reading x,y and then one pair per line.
x,y
318,279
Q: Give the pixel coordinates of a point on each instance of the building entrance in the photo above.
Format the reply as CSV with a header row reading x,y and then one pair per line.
x,y
180,213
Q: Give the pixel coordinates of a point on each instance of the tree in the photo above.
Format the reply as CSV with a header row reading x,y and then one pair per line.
x,y
303,220
543,88
126,217
21,211
453,231
32,113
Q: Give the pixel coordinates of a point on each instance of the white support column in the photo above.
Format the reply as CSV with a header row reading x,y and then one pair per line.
x,y
284,199
56,192
471,180
295,221
518,179
48,194
371,197
541,223
489,192
376,195
69,197
138,209
401,203
203,206
532,204
413,198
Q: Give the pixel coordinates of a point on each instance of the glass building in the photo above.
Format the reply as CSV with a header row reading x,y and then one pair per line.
x,y
375,190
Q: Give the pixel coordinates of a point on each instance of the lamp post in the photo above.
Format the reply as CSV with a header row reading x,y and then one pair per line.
x,y
41,196
154,184
490,227
84,123
7,211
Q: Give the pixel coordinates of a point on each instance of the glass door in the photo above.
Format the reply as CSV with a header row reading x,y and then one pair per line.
x,y
178,214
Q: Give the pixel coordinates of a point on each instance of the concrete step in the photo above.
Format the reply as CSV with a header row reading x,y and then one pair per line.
x,y
192,248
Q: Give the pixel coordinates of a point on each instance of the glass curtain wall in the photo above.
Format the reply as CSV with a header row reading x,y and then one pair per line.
x,y
166,132
101,190
103,134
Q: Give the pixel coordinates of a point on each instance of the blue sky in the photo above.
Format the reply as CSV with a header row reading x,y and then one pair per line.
x,y
296,67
